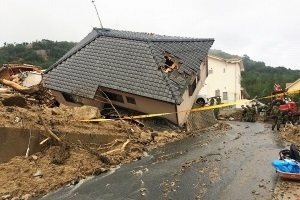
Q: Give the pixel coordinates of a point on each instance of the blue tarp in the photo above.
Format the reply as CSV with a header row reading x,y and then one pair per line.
x,y
286,165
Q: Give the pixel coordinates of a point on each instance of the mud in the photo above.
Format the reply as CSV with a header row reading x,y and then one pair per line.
x,y
91,148
87,149
15,142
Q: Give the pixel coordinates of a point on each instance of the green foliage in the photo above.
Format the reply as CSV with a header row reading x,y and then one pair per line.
x,y
41,53
259,79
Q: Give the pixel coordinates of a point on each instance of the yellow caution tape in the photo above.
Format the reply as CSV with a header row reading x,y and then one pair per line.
x,y
190,110
94,120
162,114
131,117
282,93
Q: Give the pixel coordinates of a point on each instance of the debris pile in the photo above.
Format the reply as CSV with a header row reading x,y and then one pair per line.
x,y
65,160
26,80
290,133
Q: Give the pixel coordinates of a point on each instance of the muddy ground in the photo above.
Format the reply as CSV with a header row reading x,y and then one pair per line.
x,y
286,189
66,163
289,134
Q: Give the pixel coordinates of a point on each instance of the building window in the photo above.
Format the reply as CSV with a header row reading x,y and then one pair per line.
x,y
225,96
210,71
192,87
224,70
114,97
69,98
198,77
130,100
217,92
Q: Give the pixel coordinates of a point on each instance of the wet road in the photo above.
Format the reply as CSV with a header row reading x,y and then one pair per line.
x,y
233,165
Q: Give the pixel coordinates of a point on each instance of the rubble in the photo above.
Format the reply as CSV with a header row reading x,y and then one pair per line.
x,y
69,161
26,80
63,161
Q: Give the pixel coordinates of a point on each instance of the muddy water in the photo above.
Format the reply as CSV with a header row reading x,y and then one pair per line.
x,y
14,142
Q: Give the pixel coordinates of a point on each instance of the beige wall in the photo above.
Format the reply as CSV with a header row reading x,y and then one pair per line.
x,y
295,87
146,105
90,102
189,101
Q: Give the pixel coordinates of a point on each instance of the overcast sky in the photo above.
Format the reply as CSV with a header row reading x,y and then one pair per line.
x,y
265,30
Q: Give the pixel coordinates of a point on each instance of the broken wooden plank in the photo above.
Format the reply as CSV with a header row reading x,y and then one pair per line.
x,y
49,131
120,149
23,90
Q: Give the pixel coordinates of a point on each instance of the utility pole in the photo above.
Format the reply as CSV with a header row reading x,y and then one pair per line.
x,y
93,2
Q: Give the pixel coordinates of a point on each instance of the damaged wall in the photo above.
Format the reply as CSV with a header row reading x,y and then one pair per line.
x,y
82,101
137,103
189,101
144,105
14,142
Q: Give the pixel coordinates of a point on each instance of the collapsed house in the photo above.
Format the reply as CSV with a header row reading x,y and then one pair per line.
x,y
145,72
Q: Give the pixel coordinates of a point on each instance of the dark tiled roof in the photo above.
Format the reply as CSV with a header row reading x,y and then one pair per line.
x,y
129,62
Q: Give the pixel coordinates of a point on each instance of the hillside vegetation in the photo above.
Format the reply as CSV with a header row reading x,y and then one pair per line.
x,y
258,79
41,53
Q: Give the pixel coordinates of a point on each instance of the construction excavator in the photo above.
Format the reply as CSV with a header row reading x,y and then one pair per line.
x,y
285,104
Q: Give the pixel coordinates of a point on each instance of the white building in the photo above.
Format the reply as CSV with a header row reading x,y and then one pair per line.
x,y
224,79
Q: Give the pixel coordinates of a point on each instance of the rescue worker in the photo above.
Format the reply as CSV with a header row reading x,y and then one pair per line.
x,y
243,114
217,110
288,118
253,114
211,101
218,100
268,109
248,113
277,115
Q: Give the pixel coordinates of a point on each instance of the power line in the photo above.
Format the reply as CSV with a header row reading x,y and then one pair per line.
x,y
93,2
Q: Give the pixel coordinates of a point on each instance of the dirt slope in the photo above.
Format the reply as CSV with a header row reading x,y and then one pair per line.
x,y
61,164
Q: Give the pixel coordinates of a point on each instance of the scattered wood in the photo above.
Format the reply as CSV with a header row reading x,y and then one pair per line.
x,y
110,145
23,90
49,131
102,158
120,149
45,140
112,105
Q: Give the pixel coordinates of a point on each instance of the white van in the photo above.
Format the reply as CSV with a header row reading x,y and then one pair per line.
x,y
201,99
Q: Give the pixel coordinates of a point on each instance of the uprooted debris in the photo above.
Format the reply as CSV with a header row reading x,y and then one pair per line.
x,y
25,80
290,133
65,161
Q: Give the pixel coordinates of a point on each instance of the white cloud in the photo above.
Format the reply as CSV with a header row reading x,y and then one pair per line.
x,y
265,30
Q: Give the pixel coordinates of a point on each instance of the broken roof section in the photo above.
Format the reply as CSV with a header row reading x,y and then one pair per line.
x,y
136,63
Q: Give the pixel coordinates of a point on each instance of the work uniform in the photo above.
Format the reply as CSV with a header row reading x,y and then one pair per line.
x,y
217,110
277,118
211,101
253,114
288,118
243,114
248,113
